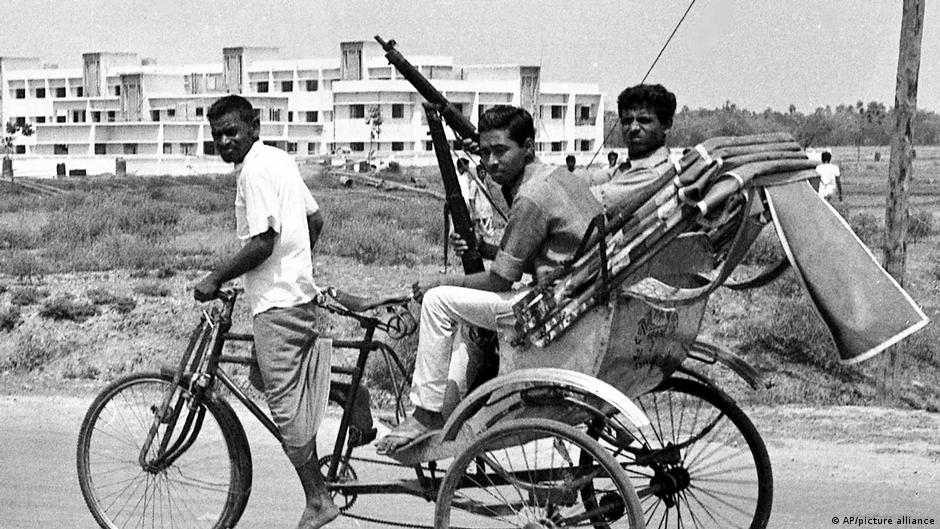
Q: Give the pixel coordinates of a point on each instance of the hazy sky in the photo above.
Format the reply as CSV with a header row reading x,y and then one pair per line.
x,y
756,53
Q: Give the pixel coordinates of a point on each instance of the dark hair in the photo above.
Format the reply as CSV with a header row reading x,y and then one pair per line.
x,y
570,158
232,103
826,156
612,154
516,120
654,96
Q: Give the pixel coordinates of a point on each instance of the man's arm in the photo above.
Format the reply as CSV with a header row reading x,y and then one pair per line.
x,y
250,256
315,227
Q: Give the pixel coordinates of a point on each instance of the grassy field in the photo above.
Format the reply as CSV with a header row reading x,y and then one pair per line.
x,y
95,283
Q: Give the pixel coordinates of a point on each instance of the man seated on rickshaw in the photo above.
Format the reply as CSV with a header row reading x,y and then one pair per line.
x,y
646,113
549,213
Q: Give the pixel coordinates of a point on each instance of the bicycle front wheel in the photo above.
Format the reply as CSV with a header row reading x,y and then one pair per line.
x,y
206,486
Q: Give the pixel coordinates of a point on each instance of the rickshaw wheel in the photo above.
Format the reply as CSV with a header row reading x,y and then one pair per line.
x,y
700,461
536,473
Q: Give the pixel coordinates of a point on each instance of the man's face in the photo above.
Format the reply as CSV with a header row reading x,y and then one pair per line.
x,y
642,131
233,137
612,159
503,158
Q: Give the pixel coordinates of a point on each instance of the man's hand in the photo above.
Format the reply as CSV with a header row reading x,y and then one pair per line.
x,y
470,146
458,244
207,289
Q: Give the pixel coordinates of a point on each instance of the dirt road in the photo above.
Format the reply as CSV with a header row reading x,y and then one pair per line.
x,y
833,462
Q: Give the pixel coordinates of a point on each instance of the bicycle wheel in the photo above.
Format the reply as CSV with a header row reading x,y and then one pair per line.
x,y
700,463
207,486
534,473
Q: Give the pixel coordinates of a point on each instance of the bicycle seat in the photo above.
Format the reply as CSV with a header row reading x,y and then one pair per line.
x,y
357,303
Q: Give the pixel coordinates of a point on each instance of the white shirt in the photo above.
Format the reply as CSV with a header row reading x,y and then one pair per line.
x,y
271,195
827,179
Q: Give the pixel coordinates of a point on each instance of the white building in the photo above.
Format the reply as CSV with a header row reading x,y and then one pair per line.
x,y
119,105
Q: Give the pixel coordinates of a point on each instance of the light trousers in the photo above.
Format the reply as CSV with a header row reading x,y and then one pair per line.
x,y
444,310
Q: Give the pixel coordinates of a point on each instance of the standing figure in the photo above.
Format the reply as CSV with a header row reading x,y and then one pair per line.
x,y
471,186
278,223
829,177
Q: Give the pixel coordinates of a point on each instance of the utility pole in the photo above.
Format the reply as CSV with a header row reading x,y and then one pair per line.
x,y
900,170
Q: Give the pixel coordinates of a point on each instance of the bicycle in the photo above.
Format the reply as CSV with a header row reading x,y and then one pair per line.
x,y
166,449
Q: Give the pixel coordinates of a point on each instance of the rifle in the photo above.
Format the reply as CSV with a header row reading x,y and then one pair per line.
x,y
436,108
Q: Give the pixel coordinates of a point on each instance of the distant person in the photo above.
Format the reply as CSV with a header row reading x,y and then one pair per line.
x,y
603,174
481,212
278,223
570,161
830,180
612,158
646,113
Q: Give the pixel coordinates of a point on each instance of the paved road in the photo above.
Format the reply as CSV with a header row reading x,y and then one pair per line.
x,y
814,480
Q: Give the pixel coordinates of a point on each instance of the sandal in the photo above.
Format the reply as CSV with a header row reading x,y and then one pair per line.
x,y
411,431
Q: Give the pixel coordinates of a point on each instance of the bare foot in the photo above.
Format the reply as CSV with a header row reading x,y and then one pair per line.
x,y
318,512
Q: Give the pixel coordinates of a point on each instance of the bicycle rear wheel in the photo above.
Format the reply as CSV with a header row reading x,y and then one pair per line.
x,y
701,461
536,473
207,486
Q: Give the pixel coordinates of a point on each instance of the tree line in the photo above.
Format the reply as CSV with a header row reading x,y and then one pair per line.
x,y
856,124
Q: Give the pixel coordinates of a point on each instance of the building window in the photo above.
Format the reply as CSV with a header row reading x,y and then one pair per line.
x,y
20,121
459,107
40,93
557,146
290,116
40,119
357,146
78,116
19,149
274,114
558,112
398,111
357,111
19,93
585,145
208,148
188,149
292,147
481,109
311,85
96,116
585,113
60,148
60,119
170,112
313,148
287,86
111,115
117,89
262,87
312,116
428,145
154,115
60,92
398,145
79,91
199,111
167,148
101,148
130,148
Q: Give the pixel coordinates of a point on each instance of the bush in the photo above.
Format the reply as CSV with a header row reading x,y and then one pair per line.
x,y
100,296
35,351
66,307
869,229
16,239
124,304
27,295
920,225
10,317
24,264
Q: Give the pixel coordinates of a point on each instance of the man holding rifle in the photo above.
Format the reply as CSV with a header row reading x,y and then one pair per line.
x,y
549,213
646,113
